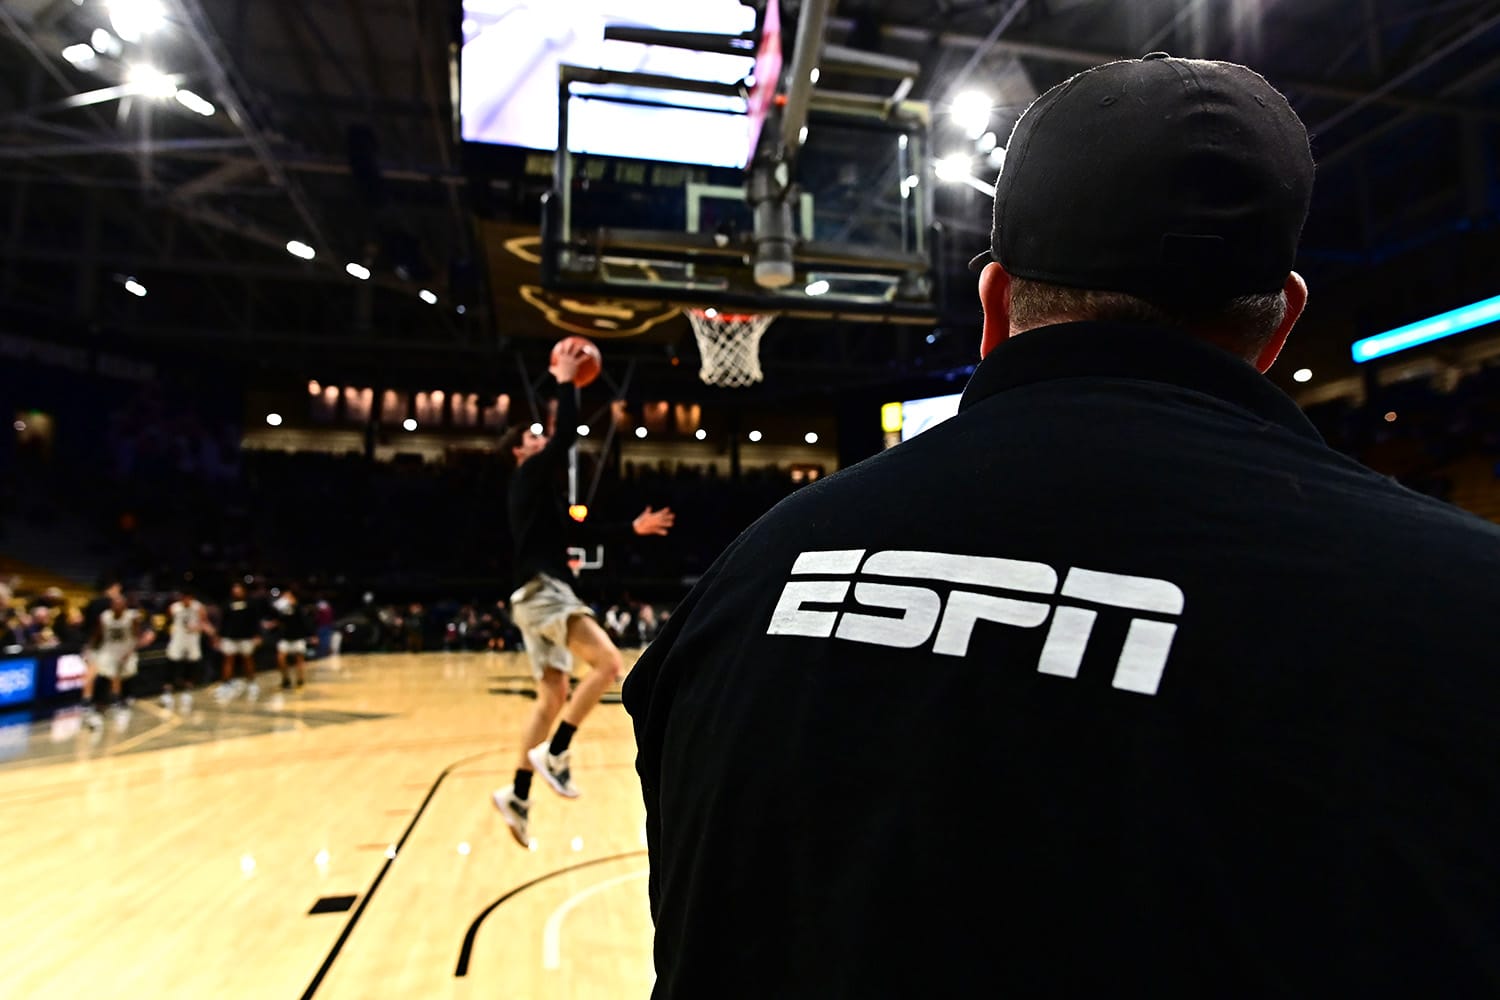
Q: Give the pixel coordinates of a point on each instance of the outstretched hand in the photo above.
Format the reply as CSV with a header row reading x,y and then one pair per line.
x,y
565,362
654,522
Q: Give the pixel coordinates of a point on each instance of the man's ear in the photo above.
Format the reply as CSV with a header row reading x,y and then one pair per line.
x,y
994,296
1295,291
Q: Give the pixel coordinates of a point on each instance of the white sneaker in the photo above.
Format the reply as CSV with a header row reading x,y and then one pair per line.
x,y
92,718
166,700
225,692
554,769
184,703
252,691
122,718
514,811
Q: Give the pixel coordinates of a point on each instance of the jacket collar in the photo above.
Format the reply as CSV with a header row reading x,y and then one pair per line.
x,y
1127,351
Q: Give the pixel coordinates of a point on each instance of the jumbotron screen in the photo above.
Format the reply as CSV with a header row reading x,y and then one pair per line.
x,y
508,90
918,415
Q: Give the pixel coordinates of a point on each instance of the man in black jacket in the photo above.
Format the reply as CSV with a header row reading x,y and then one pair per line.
x,y
555,625
1121,681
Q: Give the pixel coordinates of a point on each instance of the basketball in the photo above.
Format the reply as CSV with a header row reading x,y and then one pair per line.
x,y
588,368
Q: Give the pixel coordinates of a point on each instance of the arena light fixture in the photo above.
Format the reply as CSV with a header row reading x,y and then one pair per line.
x,y
953,167
81,55
195,104
1447,324
811,437
640,432
104,43
1390,417
461,310
357,271
428,296
409,424
755,436
1302,375
135,19
971,112
148,81
819,287
700,434
273,419
583,430
299,249
135,288
537,429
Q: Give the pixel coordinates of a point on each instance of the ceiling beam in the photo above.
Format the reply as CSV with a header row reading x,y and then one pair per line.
x,y
1083,58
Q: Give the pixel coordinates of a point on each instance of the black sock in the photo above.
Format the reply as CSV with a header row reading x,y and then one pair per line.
x,y
523,785
562,738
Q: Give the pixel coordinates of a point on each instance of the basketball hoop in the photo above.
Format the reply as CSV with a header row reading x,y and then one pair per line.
x,y
729,344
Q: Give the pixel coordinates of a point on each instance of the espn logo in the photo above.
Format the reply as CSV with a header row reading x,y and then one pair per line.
x,y
923,611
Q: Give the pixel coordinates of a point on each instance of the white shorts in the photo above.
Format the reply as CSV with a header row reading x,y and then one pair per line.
x,y
542,609
292,646
185,647
114,663
237,647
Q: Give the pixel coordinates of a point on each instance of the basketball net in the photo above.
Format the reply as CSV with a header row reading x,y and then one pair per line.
x,y
729,344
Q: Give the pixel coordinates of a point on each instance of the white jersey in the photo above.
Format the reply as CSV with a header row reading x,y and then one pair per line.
x,y
118,630
186,618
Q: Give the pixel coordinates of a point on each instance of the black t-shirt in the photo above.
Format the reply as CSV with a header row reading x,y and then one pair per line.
x,y
241,619
91,612
1121,682
292,622
537,507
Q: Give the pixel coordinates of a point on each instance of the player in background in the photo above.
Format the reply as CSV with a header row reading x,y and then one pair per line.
x,y
187,621
120,634
293,633
91,614
239,637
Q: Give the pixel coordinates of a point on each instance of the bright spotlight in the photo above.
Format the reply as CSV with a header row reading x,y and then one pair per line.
x,y
701,434
711,312
462,309
409,424
428,297
755,436
819,287
134,19
104,43
135,288
273,419
299,249
583,430
953,167
195,104
811,437
640,432
802,136
537,429
1302,375
816,74
357,271
971,112
81,55
149,81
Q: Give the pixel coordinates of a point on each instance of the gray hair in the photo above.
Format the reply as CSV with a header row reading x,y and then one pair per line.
x,y
1242,325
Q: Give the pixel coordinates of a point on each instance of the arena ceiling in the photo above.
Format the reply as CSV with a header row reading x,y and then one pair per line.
x,y
332,124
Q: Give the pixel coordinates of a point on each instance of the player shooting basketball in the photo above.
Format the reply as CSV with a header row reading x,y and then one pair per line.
x,y
556,626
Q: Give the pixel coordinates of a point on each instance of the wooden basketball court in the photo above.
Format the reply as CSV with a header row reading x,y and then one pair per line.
x,y
189,855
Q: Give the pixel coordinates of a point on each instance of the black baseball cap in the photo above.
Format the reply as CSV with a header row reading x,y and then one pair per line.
x,y
1157,177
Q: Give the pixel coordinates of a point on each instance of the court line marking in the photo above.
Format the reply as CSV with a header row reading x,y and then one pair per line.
x,y
552,933
390,859
466,952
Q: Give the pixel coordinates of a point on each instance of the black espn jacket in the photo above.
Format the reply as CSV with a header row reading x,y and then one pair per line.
x,y
1120,683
